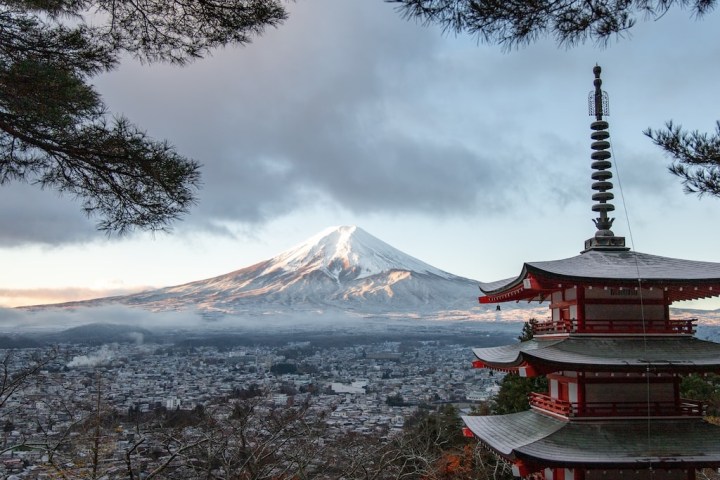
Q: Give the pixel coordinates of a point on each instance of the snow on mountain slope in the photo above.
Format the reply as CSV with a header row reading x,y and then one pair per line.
x,y
342,268
349,252
340,271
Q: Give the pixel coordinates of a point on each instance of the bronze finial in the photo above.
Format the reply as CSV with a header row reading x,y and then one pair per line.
x,y
598,103
604,238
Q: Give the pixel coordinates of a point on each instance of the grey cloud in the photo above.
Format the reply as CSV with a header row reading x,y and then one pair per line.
x,y
645,177
330,130
349,104
307,112
31,215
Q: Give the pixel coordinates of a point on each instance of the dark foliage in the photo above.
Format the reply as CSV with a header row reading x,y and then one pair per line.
x,y
528,330
252,391
695,155
54,128
510,23
515,390
704,389
284,368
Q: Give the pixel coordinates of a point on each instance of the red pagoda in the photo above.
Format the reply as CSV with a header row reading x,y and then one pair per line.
x,y
611,353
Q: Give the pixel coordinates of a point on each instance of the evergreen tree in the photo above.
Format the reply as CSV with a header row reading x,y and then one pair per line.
x,y
527,331
515,390
55,130
696,157
514,393
510,23
705,389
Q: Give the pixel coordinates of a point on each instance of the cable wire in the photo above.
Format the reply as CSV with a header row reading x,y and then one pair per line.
x,y
640,295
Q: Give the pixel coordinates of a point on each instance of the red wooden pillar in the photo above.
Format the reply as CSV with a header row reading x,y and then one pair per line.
x,y
676,390
581,395
580,299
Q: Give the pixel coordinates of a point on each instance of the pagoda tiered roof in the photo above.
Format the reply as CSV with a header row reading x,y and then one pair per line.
x,y
627,354
536,439
681,279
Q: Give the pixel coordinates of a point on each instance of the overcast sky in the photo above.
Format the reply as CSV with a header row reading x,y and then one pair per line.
x,y
472,159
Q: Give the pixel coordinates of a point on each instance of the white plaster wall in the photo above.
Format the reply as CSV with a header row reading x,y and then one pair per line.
x,y
553,388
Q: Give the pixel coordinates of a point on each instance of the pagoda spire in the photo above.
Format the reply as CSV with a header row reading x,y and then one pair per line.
x,y
604,238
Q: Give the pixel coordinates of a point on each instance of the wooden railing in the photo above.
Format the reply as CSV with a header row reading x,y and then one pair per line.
x,y
553,405
686,408
546,327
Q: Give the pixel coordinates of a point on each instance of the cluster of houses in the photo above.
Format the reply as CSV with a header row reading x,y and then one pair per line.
x,y
354,384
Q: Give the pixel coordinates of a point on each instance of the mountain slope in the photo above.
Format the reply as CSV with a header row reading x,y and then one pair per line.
x,y
341,268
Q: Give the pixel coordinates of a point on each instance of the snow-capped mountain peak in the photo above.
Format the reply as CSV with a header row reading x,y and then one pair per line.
x,y
339,269
348,252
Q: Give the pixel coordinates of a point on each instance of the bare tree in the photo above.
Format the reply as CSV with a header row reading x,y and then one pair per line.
x,y
255,441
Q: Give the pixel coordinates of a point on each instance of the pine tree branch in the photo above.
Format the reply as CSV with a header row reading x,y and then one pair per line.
x,y
54,129
512,23
695,156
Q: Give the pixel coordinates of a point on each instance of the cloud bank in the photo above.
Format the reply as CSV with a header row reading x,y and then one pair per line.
x,y
349,105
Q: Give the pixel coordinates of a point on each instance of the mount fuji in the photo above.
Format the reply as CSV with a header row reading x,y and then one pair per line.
x,y
339,269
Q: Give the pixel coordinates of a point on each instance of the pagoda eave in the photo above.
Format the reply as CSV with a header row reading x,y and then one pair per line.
x,y
523,369
681,279
594,353
526,287
535,439
538,287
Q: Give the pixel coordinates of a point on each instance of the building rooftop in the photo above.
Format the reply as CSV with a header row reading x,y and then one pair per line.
x,y
535,438
683,279
671,353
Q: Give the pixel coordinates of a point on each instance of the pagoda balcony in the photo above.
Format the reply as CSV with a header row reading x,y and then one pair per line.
x,y
548,327
549,404
686,408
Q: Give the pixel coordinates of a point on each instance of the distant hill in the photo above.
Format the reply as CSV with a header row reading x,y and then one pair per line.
x,y
100,333
9,343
